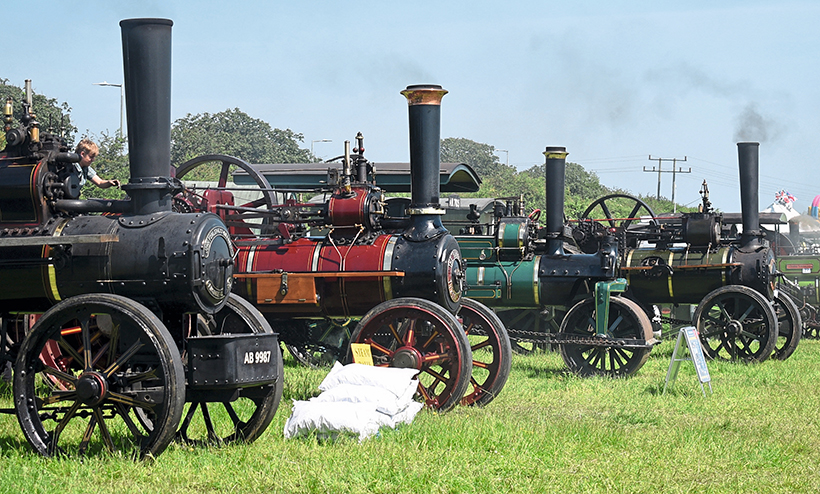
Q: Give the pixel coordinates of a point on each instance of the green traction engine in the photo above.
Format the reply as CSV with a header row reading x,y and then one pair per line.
x,y
524,272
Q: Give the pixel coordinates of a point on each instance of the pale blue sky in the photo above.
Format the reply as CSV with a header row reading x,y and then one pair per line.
x,y
612,81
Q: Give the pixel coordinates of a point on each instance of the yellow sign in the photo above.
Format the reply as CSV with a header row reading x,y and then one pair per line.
x,y
361,353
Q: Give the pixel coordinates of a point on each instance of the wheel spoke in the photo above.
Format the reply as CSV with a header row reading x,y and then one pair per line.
x,y
122,359
106,435
60,375
86,345
89,431
127,400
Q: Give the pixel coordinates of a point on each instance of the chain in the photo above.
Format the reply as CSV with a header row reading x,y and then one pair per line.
x,y
563,339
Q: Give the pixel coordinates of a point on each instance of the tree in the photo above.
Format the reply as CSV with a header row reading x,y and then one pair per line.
x,y
234,133
53,116
481,157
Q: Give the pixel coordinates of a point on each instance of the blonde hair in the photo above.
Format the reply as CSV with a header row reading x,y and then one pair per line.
x,y
88,146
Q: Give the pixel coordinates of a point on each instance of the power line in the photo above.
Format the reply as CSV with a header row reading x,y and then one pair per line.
x,y
675,170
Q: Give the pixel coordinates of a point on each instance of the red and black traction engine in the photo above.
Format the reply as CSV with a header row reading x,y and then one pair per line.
x,y
402,276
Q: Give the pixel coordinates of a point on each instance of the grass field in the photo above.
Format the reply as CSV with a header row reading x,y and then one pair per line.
x,y
547,432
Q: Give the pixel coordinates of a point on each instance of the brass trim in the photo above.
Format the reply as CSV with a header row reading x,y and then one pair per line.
x,y
424,95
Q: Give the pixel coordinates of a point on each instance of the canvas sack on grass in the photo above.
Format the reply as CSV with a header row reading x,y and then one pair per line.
x,y
356,399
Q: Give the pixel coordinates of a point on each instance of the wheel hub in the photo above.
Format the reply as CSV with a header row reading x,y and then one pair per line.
x,y
92,388
407,358
734,328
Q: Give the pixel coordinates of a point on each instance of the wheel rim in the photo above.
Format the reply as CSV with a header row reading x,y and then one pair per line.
x,y
736,323
490,347
788,318
626,320
107,377
247,416
187,202
419,334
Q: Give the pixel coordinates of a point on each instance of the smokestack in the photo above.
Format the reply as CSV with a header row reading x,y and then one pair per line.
x,y
424,103
146,50
748,162
556,161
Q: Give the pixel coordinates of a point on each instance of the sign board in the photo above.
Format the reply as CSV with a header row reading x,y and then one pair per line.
x,y
361,353
696,356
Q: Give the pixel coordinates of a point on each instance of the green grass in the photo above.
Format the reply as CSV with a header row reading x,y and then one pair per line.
x,y
547,432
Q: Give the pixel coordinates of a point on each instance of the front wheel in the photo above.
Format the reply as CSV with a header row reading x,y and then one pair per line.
x,y
247,414
416,333
626,321
736,323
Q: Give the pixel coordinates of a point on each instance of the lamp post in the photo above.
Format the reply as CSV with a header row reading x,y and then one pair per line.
x,y
122,99
317,140
504,151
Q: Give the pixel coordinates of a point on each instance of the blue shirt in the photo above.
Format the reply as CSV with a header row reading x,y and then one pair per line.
x,y
84,173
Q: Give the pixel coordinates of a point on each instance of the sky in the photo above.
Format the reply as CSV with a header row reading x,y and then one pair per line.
x,y
615,82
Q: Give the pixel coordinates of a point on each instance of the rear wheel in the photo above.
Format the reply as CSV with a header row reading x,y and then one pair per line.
x,y
789,326
490,347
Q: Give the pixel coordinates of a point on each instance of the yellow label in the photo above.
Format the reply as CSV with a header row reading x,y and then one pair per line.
x,y
361,353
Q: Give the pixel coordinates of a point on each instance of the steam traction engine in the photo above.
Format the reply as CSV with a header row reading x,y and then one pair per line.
x,y
689,259
521,270
133,308
402,276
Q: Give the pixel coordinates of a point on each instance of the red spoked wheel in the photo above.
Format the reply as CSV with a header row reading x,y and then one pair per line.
x,y
492,355
416,333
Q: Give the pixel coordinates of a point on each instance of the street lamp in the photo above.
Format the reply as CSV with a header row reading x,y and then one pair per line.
x,y
122,99
317,140
504,151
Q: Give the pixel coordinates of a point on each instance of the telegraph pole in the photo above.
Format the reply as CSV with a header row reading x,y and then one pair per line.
x,y
674,171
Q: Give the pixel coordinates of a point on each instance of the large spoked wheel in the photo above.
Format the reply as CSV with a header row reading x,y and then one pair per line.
x,y
602,209
117,363
538,323
416,333
490,346
316,343
626,321
186,202
246,415
736,323
789,326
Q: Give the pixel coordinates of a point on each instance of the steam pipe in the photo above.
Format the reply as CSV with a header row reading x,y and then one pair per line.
x,y
146,49
555,165
748,161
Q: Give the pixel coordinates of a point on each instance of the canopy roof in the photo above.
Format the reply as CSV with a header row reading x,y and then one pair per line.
x,y
391,177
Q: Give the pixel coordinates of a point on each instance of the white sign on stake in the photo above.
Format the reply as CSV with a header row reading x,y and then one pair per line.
x,y
690,334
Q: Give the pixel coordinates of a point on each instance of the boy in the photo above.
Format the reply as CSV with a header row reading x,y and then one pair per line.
x,y
88,151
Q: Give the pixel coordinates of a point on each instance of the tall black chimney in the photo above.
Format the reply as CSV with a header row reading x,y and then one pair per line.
x,y
425,161
146,50
556,161
748,162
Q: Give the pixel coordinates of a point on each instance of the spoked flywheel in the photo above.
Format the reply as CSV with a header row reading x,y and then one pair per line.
x,y
116,363
627,321
490,347
736,323
416,333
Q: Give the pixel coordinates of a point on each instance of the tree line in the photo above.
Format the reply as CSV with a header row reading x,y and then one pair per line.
x,y
235,133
